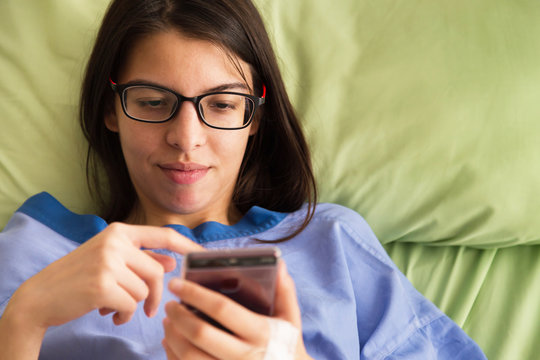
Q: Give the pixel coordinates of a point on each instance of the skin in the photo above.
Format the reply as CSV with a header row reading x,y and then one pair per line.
x,y
188,337
110,272
191,68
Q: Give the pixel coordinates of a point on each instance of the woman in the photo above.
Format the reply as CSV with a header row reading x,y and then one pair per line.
x,y
187,117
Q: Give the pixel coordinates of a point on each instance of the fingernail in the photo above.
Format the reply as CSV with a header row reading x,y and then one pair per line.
x,y
169,307
175,284
166,321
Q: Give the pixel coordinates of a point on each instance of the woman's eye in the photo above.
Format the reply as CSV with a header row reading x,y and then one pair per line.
x,y
151,103
223,106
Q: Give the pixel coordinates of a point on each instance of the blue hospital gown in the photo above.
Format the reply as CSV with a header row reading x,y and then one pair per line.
x,y
355,303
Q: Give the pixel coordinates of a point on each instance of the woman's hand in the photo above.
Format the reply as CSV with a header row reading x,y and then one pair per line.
x,y
109,272
189,337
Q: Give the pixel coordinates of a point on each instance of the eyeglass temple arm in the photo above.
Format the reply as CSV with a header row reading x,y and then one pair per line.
x,y
262,99
113,84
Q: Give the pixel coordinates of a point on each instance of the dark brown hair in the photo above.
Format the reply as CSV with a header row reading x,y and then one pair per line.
x,y
276,171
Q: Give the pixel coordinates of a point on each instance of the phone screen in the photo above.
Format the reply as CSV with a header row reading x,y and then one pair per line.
x,y
248,275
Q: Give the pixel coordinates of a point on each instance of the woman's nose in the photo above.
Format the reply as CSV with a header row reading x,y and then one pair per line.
x,y
186,131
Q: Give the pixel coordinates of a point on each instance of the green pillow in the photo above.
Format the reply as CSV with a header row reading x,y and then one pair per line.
x,y
43,50
422,115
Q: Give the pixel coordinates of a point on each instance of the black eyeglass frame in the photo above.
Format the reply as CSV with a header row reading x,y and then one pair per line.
x,y
120,89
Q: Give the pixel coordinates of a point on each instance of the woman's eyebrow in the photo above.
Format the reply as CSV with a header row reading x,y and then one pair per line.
x,y
228,86
222,87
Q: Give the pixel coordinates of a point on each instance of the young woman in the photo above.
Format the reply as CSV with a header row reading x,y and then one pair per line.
x,y
189,123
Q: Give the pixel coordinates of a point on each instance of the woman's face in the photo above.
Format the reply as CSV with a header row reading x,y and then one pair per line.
x,y
183,171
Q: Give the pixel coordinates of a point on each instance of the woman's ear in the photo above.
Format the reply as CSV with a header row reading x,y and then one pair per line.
x,y
111,121
254,127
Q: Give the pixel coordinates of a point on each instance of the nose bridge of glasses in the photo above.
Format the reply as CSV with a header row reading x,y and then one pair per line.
x,y
184,128
181,99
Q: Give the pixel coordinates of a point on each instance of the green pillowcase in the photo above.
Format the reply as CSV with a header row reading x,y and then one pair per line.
x,y
43,50
422,116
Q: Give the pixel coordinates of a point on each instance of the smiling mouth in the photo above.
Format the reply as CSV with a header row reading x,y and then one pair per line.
x,y
185,174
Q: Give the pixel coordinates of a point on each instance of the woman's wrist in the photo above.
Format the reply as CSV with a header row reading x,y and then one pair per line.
x,y
20,336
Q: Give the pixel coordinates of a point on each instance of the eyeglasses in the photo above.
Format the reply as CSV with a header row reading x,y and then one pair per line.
x,y
219,110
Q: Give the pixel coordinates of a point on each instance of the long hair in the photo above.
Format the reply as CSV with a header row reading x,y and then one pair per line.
x,y
276,172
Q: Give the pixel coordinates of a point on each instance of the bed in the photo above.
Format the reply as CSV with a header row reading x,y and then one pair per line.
x,y
423,117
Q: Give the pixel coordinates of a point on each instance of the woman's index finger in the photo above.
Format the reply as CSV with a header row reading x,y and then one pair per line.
x,y
153,237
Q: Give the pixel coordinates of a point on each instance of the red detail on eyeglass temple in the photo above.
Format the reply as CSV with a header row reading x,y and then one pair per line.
x,y
112,82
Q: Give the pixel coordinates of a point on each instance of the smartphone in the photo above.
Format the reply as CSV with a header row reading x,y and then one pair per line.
x,y
246,275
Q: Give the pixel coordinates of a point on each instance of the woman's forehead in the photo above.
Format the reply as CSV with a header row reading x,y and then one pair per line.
x,y
179,61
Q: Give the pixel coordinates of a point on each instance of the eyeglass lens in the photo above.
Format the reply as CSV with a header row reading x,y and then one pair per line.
x,y
220,110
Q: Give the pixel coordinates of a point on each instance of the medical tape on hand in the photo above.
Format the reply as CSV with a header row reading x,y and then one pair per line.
x,y
283,340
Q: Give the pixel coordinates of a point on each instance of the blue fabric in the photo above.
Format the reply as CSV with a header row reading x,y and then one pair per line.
x,y
47,210
255,221
50,212
355,303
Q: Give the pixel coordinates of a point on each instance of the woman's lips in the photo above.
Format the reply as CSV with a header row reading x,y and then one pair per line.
x,y
184,174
